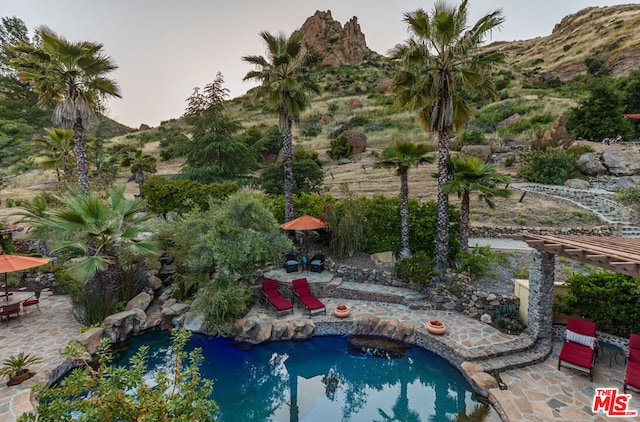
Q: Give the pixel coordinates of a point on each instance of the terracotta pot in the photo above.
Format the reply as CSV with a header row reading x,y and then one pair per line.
x,y
436,327
19,379
341,313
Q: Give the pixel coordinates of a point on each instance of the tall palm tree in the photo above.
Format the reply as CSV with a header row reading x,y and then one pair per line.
x,y
73,77
401,156
472,175
55,151
139,163
438,64
285,77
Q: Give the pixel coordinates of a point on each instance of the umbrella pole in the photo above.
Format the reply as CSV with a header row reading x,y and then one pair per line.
x,y
6,288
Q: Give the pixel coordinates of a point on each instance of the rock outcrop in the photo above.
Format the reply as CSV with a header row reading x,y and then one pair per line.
x,y
357,140
339,45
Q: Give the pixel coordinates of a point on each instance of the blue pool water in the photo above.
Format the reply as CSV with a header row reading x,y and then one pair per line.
x,y
318,380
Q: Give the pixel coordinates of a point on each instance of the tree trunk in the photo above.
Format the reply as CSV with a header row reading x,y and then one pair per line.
x,y
404,213
464,221
80,151
287,159
442,229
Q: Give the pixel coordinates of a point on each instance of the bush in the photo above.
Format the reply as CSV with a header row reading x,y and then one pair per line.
x,y
553,167
507,317
340,148
630,196
418,268
480,261
221,302
609,299
307,174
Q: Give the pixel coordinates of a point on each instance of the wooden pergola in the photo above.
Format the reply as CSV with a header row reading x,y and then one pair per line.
x,y
618,254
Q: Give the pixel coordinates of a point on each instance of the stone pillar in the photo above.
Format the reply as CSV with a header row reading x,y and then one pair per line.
x,y
541,278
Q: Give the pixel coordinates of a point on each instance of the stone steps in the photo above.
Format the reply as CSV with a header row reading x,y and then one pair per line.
x,y
598,201
536,354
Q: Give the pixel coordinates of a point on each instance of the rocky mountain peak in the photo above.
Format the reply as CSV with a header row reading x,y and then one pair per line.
x,y
338,44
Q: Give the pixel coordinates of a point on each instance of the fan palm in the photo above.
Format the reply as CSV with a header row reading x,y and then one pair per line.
x,y
285,77
139,162
439,63
401,156
73,77
472,175
105,233
55,151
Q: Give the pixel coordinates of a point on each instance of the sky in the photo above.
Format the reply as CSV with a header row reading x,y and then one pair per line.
x,y
166,48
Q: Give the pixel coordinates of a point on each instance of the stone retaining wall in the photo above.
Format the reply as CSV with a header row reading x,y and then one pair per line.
x,y
460,296
501,231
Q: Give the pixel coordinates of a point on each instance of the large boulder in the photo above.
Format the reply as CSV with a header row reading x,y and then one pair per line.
x,y
118,327
90,339
482,152
577,184
141,301
253,329
622,161
357,140
591,164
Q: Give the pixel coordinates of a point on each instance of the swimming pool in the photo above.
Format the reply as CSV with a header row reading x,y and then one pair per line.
x,y
319,380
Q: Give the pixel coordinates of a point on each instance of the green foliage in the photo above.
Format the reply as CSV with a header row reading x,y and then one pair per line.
x,y
468,137
609,299
490,115
307,174
347,224
235,236
340,148
221,302
16,364
165,195
115,393
481,261
553,167
6,243
418,268
630,196
508,317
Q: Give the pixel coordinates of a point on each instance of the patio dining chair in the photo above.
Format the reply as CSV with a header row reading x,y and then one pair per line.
x,y
32,301
317,263
632,374
291,262
8,310
578,350
305,297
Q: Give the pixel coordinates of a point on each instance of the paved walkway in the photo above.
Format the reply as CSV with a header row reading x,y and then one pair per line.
x,y
536,393
41,334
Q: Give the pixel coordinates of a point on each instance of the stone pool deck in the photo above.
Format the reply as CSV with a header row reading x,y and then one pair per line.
x,y
538,392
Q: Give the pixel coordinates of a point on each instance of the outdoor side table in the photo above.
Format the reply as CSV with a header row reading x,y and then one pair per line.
x,y
614,351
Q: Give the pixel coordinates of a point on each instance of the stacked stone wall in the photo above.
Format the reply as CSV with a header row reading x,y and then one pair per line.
x,y
501,231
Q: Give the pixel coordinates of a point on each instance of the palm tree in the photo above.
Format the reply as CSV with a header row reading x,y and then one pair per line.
x,y
439,65
401,156
73,77
105,233
55,151
139,163
285,79
471,175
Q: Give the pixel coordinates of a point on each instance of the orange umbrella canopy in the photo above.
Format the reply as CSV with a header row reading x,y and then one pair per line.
x,y
10,263
306,222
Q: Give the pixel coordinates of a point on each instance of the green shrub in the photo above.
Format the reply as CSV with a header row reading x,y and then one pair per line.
x,y
312,130
340,148
221,302
480,261
468,137
510,161
307,174
508,317
609,299
630,196
553,167
418,268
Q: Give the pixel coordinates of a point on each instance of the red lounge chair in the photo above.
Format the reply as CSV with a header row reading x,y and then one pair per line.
x,y
632,376
578,351
273,296
303,293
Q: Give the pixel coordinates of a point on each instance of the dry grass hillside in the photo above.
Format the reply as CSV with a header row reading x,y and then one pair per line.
x,y
606,34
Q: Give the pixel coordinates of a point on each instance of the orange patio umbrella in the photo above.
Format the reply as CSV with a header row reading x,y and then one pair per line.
x,y
305,222
11,263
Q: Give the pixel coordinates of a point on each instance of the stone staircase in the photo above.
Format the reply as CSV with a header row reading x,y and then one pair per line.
x,y
598,201
522,351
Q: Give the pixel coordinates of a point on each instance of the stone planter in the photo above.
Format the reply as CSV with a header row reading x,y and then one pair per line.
x,y
341,311
436,327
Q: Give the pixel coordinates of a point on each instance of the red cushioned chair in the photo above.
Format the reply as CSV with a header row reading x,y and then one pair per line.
x,y
272,295
8,310
32,301
304,295
632,376
578,351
